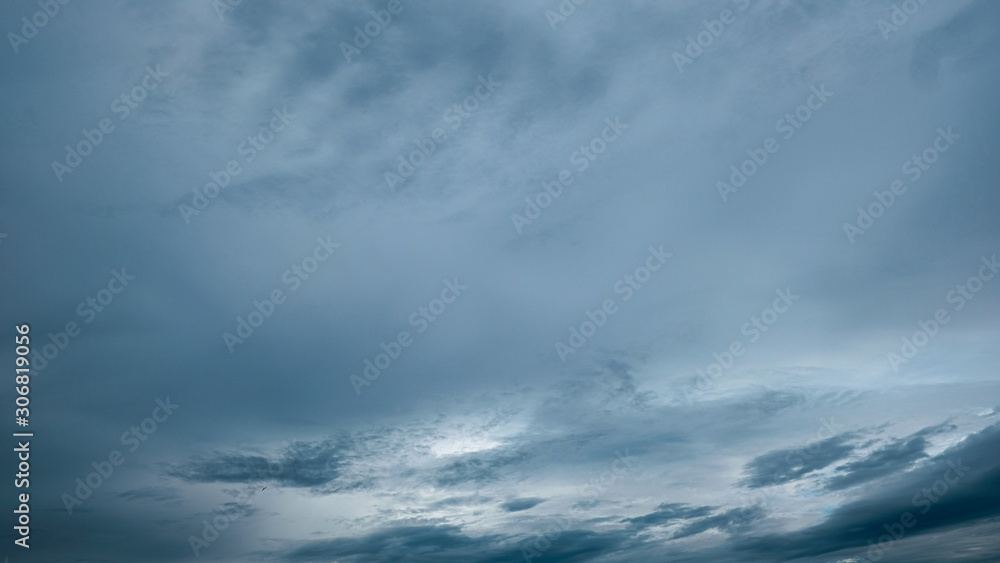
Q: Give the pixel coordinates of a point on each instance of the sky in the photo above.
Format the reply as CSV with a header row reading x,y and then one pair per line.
x,y
542,281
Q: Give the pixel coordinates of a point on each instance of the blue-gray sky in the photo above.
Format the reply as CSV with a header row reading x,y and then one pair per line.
x,y
505,281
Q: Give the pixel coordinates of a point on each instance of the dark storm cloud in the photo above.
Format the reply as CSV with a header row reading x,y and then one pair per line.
x,y
301,464
480,468
696,519
444,543
887,460
223,468
972,497
520,504
730,520
577,546
783,466
448,543
669,512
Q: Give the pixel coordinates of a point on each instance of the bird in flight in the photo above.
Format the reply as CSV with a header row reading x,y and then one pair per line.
x,y
262,490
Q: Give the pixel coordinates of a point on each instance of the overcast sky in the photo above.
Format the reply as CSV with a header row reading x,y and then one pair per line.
x,y
504,281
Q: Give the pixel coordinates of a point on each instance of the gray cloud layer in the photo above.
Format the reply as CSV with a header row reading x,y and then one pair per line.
x,y
725,389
